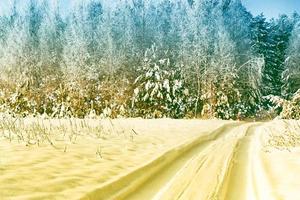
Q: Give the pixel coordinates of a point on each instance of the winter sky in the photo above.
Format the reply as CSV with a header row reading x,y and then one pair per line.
x,y
270,8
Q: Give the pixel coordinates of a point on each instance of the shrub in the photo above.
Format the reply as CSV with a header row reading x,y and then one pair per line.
x,y
289,109
70,98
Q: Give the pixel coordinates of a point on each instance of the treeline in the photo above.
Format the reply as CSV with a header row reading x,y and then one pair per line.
x,y
138,58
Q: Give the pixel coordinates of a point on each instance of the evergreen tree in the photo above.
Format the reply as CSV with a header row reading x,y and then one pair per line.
x,y
279,34
259,35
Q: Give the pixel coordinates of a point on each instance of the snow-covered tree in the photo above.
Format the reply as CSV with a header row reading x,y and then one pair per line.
x,y
75,54
52,41
237,21
291,75
278,40
259,35
160,89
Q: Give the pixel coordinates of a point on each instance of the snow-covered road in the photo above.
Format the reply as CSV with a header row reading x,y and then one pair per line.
x,y
158,160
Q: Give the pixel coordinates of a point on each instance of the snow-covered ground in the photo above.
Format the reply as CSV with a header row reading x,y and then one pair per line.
x,y
149,159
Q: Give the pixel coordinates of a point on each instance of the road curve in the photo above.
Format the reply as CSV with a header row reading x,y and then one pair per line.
x,y
218,165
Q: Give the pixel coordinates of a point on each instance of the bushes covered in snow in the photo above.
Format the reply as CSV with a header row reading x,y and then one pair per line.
x,y
211,59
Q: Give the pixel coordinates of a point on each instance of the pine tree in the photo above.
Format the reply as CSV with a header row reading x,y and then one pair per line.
x,y
259,35
279,34
159,89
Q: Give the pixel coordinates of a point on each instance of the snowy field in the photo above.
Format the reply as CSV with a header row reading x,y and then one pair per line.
x,y
90,90
149,159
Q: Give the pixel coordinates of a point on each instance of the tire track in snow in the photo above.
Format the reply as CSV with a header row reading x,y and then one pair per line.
x,y
207,182
247,178
132,185
216,166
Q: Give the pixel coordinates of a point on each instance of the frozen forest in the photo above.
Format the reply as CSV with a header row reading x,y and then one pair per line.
x,y
150,59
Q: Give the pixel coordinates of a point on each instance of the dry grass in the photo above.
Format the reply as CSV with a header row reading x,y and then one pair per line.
x,y
59,133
